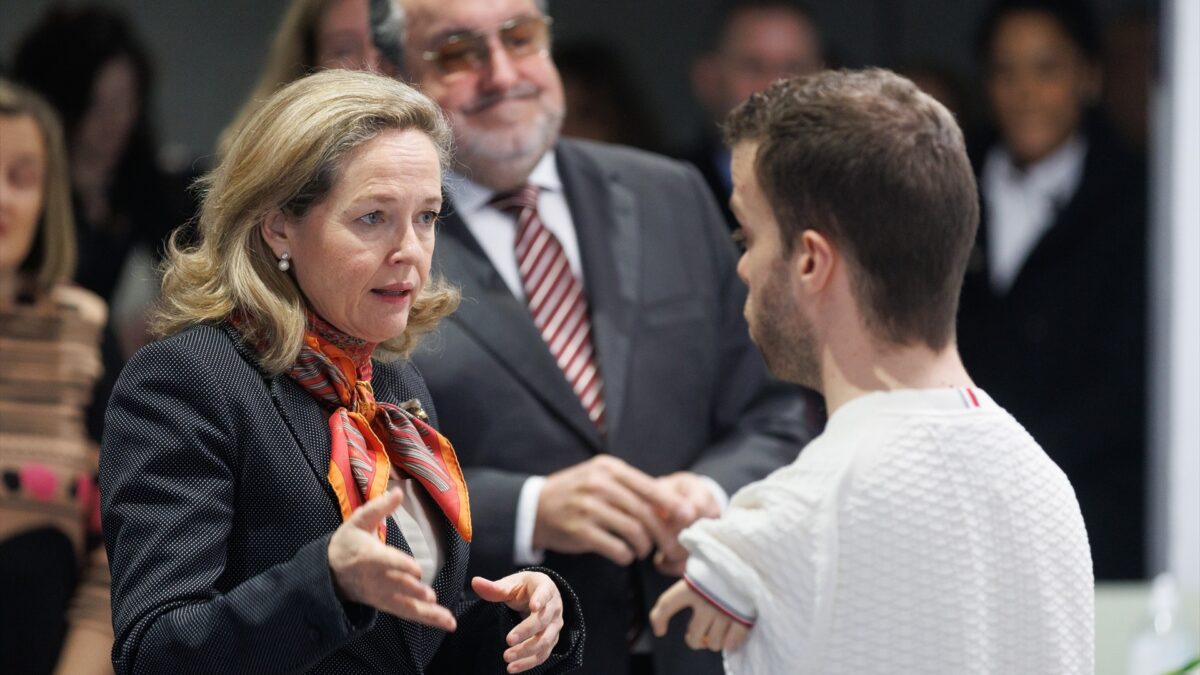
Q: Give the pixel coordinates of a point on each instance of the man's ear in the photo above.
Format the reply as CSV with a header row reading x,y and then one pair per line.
x,y
814,258
274,231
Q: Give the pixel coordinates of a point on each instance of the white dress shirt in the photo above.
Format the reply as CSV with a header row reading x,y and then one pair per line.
x,y
1022,204
415,517
496,231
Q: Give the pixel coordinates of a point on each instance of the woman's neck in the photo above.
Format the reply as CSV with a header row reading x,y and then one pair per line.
x,y
357,349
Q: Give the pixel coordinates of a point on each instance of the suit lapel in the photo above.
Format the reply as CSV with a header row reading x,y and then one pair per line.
x,y
308,422
501,323
605,215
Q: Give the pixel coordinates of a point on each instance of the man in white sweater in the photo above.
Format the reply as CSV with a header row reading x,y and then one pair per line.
x,y
924,531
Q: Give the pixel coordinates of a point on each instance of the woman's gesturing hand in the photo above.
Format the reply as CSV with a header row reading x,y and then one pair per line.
x,y
367,571
535,596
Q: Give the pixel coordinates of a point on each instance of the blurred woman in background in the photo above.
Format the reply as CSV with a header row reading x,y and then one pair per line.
x,y
314,34
1052,319
53,575
88,64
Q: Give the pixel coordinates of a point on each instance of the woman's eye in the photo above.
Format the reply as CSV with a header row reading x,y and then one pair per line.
x,y
372,218
427,217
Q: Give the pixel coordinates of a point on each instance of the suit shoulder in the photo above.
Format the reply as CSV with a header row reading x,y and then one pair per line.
x,y
200,348
626,160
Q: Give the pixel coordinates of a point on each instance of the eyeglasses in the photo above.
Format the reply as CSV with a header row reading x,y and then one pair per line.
x,y
468,51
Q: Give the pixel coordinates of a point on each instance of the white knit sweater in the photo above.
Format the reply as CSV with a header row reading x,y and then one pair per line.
x,y
922,532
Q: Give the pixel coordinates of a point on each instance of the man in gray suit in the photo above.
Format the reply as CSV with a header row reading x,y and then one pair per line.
x,y
598,381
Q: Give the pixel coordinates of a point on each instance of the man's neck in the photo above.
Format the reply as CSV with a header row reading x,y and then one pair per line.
x,y
858,367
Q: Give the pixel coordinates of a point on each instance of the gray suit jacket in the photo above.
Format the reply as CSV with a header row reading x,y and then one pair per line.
x,y
684,387
217,517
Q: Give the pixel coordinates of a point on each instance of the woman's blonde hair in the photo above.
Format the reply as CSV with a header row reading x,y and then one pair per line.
x,y
288,157
51,259
293,55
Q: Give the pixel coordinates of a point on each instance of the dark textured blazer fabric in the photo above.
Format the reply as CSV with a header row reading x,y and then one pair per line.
x,y
217,518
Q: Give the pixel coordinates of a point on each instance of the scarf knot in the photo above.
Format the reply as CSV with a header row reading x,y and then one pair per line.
x,y
369,437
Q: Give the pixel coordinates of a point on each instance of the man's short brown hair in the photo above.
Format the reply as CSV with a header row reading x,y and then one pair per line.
x,y
867,159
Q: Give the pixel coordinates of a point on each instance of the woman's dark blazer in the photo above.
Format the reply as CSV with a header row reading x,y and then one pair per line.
x,y
217,517
1064,349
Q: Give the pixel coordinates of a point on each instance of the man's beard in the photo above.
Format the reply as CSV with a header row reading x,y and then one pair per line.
x,y
495,157
783,334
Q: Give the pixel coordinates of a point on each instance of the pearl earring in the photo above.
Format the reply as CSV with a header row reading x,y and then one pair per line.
x,y
285,262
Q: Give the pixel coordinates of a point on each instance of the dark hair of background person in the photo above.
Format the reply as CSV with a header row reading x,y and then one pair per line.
x,y
832,160
60,58
1074,17
293,55
297,50
603,102
62,54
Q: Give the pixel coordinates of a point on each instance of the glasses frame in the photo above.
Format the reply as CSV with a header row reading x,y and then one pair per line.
x,y
484,56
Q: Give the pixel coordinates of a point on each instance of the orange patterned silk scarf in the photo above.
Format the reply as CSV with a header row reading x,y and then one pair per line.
x,y
368,437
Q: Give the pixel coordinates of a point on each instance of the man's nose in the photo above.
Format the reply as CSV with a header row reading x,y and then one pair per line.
x,y
500,69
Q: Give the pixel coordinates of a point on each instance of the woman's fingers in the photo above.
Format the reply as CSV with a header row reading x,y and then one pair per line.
x,y
533,651
410,585
537,622
429,613
535,595
369,516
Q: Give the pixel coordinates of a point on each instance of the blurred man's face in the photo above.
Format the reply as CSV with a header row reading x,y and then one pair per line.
x,y
759,47
778,325
506,110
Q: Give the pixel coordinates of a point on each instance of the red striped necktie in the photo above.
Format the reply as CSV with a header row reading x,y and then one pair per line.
x,y
555,298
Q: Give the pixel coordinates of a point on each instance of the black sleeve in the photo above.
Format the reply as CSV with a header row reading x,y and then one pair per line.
x,y
168,484
479,643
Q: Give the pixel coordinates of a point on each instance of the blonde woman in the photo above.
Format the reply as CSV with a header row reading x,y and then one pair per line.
x,y
276,497
313,35
53,575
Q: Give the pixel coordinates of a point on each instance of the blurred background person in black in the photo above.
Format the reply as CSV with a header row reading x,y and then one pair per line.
x,y
313,34
750,44
91,67
1052,320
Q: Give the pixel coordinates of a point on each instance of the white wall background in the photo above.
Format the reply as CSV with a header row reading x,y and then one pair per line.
x,y
1175,356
